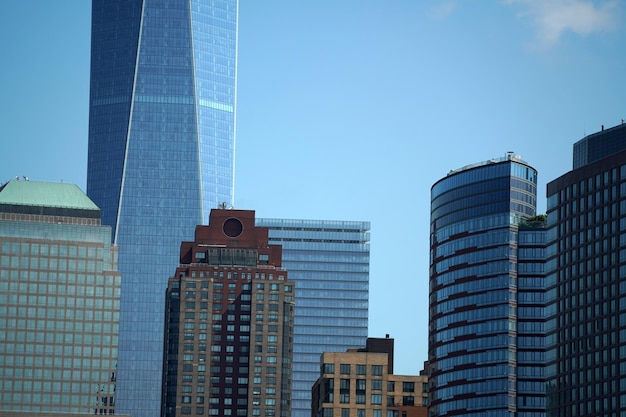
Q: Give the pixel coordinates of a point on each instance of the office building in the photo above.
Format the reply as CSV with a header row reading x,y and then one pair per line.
x,y
59,302
161,154
329,263
480,309
531,323
361,383
229,323
586,281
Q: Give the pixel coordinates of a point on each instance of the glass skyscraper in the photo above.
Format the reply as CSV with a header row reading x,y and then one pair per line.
x,y
329,263
586,281
161,154
59,302
486,292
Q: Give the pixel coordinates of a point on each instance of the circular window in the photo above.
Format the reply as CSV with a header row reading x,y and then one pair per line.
x,y
232,227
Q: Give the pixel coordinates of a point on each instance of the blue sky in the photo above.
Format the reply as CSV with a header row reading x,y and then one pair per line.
x,y
352,109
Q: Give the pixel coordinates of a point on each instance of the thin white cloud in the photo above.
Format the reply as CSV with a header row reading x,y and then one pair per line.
x,y
553,18
442,10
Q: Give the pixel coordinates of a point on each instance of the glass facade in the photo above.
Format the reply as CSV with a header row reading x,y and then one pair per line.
x,y
586,280
329,263
161,154
59,312
475,316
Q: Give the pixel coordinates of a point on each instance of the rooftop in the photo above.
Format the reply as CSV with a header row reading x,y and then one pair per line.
x,y
510,156
45,194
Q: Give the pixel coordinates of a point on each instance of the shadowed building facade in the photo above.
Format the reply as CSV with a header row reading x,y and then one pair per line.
x,y
586,279
486,292
229,323
59,302
161,154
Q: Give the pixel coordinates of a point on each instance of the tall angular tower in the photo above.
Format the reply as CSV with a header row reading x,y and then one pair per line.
x,y
486,292
161,154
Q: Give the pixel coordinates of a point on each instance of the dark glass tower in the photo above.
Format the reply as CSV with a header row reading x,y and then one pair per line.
x,y
586,267
483,301
161,154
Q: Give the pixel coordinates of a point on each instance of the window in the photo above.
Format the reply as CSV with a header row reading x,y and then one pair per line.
x,y
344,391
361,369
377,369
327,368
344,369
408,387
345,412
390,400
377,384
327,412
376,399
408,400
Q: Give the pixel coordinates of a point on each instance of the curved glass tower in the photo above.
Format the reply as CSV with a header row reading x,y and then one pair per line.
x,y
161,155
473,307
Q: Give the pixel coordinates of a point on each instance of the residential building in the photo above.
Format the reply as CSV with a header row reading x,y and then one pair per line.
x,y
161,154
361,383
486,295
59,302
586,281
229,323
329,262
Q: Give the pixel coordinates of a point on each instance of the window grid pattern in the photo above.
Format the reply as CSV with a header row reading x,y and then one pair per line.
x,y
329,263
59,314
586,301
161,154
475,220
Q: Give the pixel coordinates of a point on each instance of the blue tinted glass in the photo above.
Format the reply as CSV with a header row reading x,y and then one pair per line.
x,y
161,155
487,292
329,262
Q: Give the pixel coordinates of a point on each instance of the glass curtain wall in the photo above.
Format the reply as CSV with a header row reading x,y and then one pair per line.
x,y
475,212
161,154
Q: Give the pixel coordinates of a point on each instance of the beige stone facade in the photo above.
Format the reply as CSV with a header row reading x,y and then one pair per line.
x,y
358,384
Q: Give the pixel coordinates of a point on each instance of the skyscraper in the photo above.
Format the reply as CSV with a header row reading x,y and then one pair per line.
x,y
59,302
229,326
161,154
329,263
481,297
586,281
